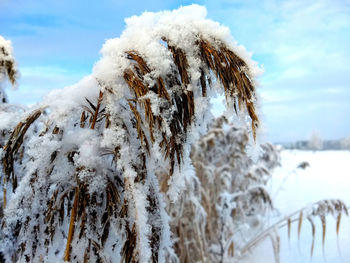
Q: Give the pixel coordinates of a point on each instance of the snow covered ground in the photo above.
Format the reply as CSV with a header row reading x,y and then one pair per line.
x,y
327,177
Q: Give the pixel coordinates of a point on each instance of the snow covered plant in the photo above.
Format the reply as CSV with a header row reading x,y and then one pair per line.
x,y
225,210
8,69
225,204
8,73
84,185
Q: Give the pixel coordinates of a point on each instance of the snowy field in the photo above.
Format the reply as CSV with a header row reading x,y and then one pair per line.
x,y
327,177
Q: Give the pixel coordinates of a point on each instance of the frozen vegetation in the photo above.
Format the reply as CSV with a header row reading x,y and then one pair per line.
x,y
8,68
324,176
129,164
80,170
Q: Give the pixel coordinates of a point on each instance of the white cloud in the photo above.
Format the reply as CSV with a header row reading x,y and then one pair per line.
x,y
304,46
37,81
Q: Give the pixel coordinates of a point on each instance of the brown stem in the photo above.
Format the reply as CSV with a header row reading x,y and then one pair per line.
x,y
4,190
4,197
94,119
71,225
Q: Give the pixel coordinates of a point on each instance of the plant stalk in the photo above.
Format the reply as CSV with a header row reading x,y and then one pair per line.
x,y
97,110
71,225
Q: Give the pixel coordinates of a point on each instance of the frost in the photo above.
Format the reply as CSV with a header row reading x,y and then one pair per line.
x,y
8,67
91,172
224,202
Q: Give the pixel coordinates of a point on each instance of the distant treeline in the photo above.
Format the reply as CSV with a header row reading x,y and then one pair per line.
x,y
325,145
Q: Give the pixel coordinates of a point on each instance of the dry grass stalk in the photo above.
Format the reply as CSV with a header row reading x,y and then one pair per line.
x,y
218,158
313,229
213,241
113,210
97,111
300,222
289,227
71,225
96,115
338,223
11,148
4,195
8,65
118,201
319,209
230,70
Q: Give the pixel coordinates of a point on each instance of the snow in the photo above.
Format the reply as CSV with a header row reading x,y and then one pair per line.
x,y
60,153
181,27
64,101
9,116
327,177
6,53
6,59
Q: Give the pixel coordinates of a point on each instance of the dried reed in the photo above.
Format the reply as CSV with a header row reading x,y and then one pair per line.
x,y
7,65
226,193
93,218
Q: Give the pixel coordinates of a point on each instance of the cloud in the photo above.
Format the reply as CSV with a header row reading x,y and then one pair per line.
x,y
304,47
37,81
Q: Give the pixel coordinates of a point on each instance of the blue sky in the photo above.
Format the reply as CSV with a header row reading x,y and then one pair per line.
x,y
303,45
